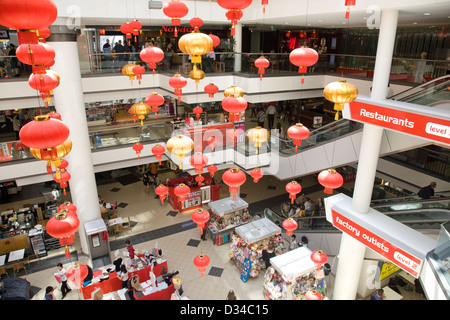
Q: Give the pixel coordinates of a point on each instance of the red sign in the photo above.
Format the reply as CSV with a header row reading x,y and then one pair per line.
x,y
416,124
394,254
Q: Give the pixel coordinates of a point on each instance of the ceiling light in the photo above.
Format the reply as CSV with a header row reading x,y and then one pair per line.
x,y
427,14
320,20
414,22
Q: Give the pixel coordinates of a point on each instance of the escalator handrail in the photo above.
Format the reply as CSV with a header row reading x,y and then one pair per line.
x,y
414,199
414,90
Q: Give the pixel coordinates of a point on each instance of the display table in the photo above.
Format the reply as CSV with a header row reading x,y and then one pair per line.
x,y
208,191
114,283
161,292
226,215
249,242
291,275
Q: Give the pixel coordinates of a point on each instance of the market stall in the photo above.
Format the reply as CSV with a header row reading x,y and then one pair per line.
x,y
208,191
291,275
250,242
226,215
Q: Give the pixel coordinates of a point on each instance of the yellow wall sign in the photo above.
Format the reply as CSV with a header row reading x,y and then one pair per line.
x,y
387,269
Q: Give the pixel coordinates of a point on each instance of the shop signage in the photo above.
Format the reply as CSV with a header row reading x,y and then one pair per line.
x,y
397,256
432,128
179,29
8,184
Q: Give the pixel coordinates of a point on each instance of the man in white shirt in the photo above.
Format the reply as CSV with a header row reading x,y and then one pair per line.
x,y
271,111
62,274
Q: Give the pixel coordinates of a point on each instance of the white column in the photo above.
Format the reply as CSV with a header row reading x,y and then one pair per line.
x,y
69,103
351,254
238,46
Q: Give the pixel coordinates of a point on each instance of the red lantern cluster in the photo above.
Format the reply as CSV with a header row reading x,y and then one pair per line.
x,y
234,178
161,191
63,226
201,262
293,188
200,217
181,191
62,177
158,150
298,132
155,100
303,58
178,82
138,148
176,10
256,174
290,225
211,89
330,179
261,63
234,105
234,8
152,55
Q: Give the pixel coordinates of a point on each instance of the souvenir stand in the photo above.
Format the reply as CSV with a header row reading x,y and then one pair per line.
x,y
291,275
248,243
225,216
208,191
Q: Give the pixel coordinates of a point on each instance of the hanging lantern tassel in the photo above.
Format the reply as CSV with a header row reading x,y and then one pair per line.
x,y
338,107
176,32
347,14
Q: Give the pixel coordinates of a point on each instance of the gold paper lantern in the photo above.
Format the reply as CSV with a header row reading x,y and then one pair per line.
x,y
180,145
196,74
141,109
258,136
233,91
53,156
128,71
195,44
340,92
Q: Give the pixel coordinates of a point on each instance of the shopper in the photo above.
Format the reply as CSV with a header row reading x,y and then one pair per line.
x,y
130,249
123,276
271,111
267,254
428,191
379,295
146,182
261,117
49,293
62,274
231,295
177,282
293,244
421,67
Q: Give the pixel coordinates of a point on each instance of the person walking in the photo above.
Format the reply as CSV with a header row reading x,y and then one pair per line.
x,y
428,191
271,111
177,283
293,244
261,117
62,274
130,249
123,276
146,182
231,295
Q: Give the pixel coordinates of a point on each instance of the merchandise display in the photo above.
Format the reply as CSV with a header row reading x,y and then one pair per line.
x,y
226,215
291,275
249,243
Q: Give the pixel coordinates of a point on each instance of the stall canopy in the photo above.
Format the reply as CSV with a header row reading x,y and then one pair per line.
x,y
257,230
227,205
293,264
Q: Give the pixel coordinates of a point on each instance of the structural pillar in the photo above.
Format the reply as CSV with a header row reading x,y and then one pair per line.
x,y
351,254
69,104
237,47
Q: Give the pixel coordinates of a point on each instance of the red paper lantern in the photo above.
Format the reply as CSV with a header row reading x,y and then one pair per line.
x,y
77,273
216,41
43,34
330,179
138,148
199,179
63,226
27,16
62,177
67,205
198,160
127,31
212,169
261,63
234,133
298,132
138,71
319,258
181,191
211,89
158,150
234,105
303,58
161,191
178,82
196,23
44,83
176,10
293,188
200,217
155,100
44,133
63,165
313,295
234,178
198,111
290,225
256,174
135,28
211,142
234,8
264,3
152,55
54,115
36,55
349,3
201,262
